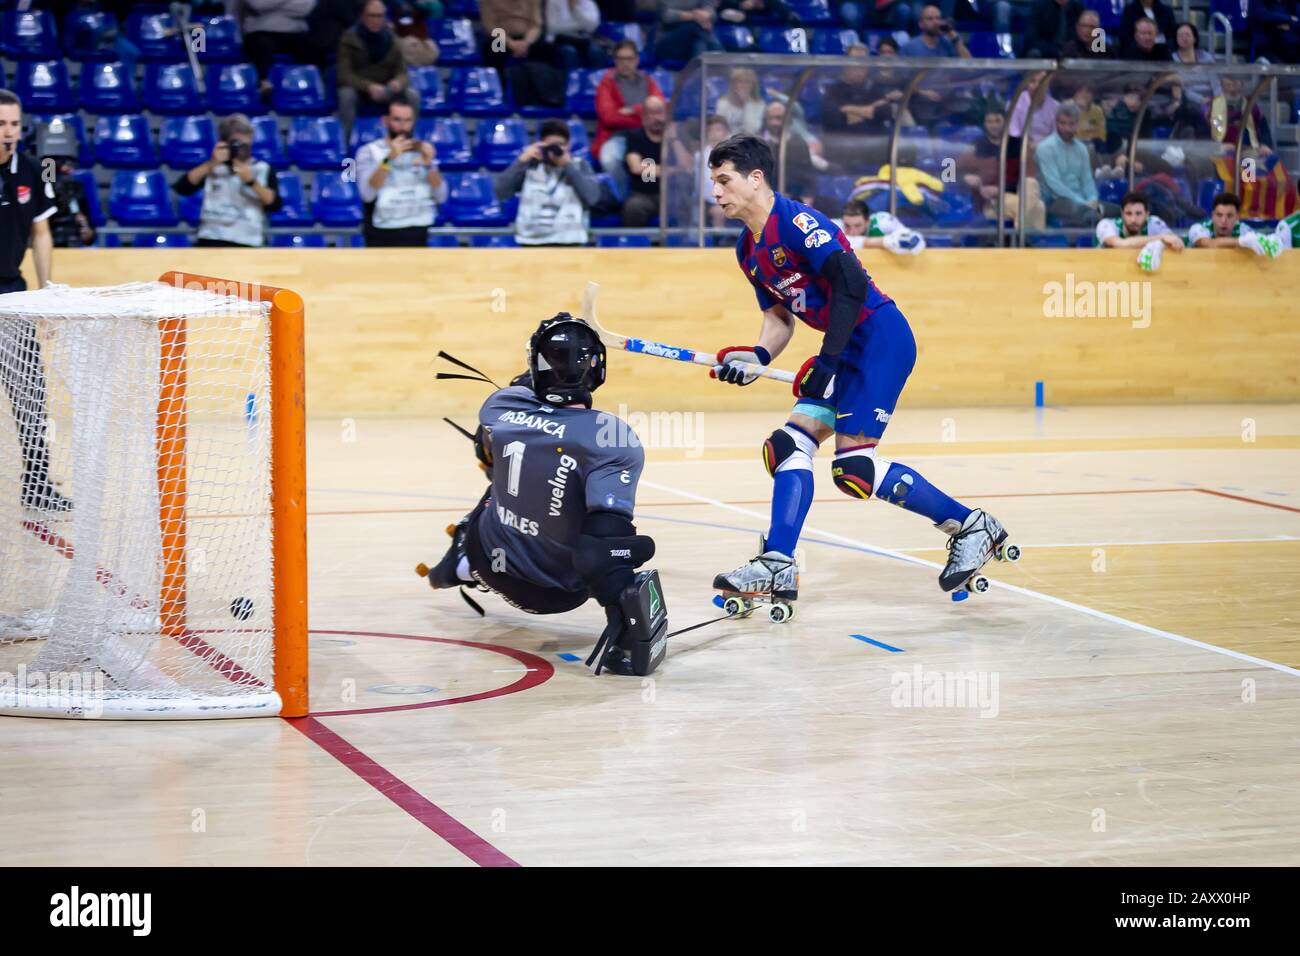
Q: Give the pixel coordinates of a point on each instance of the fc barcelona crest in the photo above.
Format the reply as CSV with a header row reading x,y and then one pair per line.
x,y
778,256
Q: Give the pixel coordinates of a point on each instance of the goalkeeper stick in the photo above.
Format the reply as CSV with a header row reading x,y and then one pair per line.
x,y
657,349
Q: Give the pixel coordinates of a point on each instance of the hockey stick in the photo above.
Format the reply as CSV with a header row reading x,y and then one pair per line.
x,y
657,349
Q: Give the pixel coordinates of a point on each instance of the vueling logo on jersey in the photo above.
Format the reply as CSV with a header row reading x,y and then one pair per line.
x,y
558,483
778,256
555,429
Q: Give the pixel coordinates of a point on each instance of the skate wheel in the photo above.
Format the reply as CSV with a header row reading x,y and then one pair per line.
x,y
780,613
734,607
978,584
1007,552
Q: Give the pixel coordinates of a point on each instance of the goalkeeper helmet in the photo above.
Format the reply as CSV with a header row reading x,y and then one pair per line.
x,y
567,361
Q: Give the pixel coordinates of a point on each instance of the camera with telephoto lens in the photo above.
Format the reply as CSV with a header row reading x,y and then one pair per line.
x,y
552,152
238,151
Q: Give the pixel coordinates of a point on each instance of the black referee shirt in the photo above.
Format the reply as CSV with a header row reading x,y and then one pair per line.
x,y
24,199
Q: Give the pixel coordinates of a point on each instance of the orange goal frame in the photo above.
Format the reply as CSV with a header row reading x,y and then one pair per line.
x,y
288,475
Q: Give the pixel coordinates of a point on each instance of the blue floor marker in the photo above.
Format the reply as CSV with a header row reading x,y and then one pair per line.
x,y
1038,394
568,657
867,640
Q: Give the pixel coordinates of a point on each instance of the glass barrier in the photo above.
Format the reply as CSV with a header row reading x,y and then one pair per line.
x,y
940,144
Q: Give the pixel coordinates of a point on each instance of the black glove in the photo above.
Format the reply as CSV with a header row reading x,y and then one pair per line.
x,y
816,378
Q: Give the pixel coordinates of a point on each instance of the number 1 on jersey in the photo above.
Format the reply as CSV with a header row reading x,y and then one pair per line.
x,y
514,453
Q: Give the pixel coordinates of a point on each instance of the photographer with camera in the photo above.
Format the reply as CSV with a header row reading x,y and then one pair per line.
x,y
238,191
556,190
399,182
70,226
938,37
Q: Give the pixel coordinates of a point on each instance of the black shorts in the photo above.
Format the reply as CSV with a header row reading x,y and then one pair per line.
x,y
533,598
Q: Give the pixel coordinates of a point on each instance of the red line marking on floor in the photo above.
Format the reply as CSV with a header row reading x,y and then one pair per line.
x,y
1253,501
402,794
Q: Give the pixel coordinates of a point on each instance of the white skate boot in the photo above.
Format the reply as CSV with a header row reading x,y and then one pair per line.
x,y
771,578
970,545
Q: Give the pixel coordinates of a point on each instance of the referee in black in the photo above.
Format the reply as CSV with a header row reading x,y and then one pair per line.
x,y
26,205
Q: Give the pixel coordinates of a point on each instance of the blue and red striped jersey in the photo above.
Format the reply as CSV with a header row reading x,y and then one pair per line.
x,y
784,263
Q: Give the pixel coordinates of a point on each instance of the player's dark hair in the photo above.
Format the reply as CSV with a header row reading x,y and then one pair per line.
x,y
746,153
554,127
626,45
886,42
1135,197
855,207
8,98
1226,199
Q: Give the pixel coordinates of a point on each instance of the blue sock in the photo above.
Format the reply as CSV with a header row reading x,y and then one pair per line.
x,y
791,498
906,487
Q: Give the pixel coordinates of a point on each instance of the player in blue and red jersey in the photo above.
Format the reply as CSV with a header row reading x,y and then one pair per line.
x,y
803,268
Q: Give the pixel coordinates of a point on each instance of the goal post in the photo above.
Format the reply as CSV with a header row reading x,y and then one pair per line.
x,y
153,559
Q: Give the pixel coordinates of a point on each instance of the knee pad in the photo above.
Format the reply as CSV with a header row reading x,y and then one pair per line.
x,y
791,445
854,472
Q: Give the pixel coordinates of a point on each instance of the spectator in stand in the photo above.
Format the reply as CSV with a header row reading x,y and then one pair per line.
x,y
1092,118
513,44
878,230
620,98
555,189
617,11
1225,230
1122,118
938,37
1144,48
1226,120
370,66
570,25
857,116
326,24
740,11
685,30
1161,16
879,14
399,182
799,169
1275,22
1051,23
1043,123
1065,174
1188,52
274,26
887,47
1136,228
1089,41
411,24
978,169
238,190
742,105
643,159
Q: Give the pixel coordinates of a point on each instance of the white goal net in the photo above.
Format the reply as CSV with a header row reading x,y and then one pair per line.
x,y
135,503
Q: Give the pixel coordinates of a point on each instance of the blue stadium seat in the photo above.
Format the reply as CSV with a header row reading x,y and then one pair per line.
x,y
736,37
154,33
1234,10
579,141
778,40
451,140
316,142
336,200
293,211
162,240
667,81
833,42
29,36
78,127
107,88
298,90
190,207
476,91
222,42
94,211
810,97
266,142
986,44
232,88
82,30
43,86
293,240
187,141
457,45
500,141
171,88
493,242
470,201
140,198
124,142
813,13
623,242
365,130
441,240
463,8
617,32
1110,12
428,82
580,95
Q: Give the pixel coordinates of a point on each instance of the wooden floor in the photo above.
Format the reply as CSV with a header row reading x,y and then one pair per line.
x,y
1137,674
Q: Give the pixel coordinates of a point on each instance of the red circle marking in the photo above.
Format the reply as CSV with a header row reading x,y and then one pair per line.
x,y
539,671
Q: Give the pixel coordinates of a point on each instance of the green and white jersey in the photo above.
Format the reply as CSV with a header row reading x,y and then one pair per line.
x,y
879,225
1288,231
1114,228
1205,230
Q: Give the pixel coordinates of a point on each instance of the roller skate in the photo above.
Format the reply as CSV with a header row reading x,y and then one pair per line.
x,y
970,545
446,573
772,578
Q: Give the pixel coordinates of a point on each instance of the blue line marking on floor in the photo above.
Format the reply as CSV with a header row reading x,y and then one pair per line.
x,y
867,640
568,657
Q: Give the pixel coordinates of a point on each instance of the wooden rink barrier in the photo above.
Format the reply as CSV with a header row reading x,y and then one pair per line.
x,y
1211,326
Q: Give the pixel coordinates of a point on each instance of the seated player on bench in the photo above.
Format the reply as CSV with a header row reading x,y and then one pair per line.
x,y
555,526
